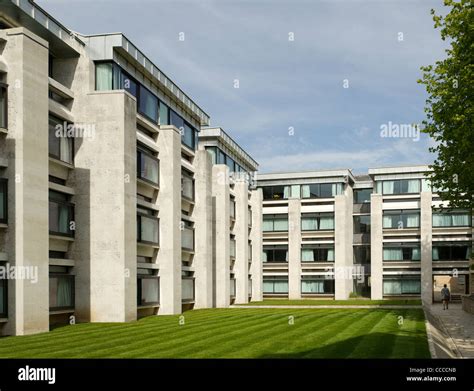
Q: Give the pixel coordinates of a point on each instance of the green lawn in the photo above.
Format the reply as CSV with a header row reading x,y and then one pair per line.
x,y
334,302
237,333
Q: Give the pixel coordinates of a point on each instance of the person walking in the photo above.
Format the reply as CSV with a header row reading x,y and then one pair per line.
x,y
445,296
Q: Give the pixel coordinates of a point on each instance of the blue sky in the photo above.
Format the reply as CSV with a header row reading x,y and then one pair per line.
x,y
291,111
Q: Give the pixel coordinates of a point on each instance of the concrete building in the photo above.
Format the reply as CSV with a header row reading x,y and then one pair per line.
x,y
332,234
106,199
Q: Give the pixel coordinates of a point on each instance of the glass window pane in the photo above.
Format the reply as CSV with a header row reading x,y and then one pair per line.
x,y
150,291
103,76
164,114
177,121
148,229
3,107
188,136
148,104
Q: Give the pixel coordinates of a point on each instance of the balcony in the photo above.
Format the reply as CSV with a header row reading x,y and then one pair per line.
x,y
187,239
187,289
61,292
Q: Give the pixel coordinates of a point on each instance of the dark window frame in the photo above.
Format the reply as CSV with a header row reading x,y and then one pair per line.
x,y
139,290
5,298
358,191
139,224
4,88
73,291
71,213
4,188
139,167
51,155
396,181
188,175
359,225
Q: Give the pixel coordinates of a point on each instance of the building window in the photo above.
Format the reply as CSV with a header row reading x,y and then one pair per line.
x,y
317,285
401,286
451,251
104,76
61,214
60,146
3,201
362,224
3,105
278,285
148,167
362,255
275,192
147,227
275,223
61,292
164,117
148,104
148,290
187,289
402,186
3,297
401,219
187,236
250,217
457,218
232,246
232,208
189,136
362,196
401,252
317,221
187,185
275,254
321,190
317,253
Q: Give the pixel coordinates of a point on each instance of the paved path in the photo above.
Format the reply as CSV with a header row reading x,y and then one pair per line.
x,y
390,307
452,331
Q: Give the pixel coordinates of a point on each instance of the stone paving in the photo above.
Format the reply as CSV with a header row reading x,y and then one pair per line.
x,y
455,326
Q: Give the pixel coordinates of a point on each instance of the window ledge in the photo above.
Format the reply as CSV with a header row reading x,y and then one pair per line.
x,y
145,244
3,130
61,237
145,306
3,320
59,312
3,226
61,163
147,183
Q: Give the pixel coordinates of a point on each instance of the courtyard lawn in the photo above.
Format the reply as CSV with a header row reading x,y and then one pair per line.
x,y
350,302
237,333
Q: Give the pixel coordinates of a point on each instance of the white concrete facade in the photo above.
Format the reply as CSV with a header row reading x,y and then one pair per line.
x,y
128,216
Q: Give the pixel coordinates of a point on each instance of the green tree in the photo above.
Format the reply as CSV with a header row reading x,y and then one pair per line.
x,y
449,107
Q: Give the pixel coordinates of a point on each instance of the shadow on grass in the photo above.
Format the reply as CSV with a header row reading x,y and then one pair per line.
x,y
375,345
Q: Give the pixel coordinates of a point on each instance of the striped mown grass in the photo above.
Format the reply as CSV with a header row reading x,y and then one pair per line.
x,y
237,333
350,302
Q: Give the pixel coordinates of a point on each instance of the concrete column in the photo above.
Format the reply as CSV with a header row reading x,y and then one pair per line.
x,y
105,248
343,230
241,229
169,200
26,56
376,247
294,249
221,235
426,249
257,248
203,229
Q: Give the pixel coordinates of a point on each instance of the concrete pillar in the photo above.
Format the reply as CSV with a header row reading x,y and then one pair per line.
x,y
26,56
241,229
376,247
105,248
169,199
221,235
294,249
203,229
343,230
426,249
256,268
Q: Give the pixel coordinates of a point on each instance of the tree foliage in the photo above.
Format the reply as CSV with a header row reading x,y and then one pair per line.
x,y
449,107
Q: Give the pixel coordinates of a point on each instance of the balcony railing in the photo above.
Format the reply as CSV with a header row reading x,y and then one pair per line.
x,y
187,239
232,287
61,292
187,289
232,248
